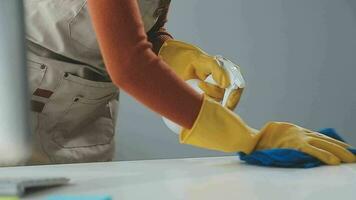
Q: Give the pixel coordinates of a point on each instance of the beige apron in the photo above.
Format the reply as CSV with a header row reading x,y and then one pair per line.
x,y
73,100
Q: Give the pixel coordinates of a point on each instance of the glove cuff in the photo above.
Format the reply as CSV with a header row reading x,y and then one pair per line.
x,y
218,128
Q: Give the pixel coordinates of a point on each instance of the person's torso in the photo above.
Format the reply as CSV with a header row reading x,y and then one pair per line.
x,y
73,111
64,27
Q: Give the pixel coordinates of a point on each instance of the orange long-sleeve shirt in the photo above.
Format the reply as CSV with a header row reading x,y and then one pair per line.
x,y
135,68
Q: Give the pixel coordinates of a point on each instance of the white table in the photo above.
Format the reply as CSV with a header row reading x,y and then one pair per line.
x,y
199,178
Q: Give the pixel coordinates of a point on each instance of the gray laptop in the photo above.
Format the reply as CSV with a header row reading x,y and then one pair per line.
x,y
15,131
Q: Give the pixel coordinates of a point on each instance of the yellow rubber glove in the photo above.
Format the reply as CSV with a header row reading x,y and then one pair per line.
x,y
190,62
287,135
218,128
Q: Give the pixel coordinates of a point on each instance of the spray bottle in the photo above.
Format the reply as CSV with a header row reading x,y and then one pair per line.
x,y
236,81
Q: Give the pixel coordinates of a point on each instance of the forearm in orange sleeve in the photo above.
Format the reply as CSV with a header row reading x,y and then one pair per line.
x,y
133,66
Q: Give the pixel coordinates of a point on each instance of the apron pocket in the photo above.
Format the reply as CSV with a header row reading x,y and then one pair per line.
x,y
87,121
97,128
74,123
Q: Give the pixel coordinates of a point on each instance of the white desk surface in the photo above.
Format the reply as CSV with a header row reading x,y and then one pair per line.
x,y
200,178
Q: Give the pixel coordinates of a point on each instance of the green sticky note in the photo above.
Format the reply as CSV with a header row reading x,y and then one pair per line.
x,y
8,198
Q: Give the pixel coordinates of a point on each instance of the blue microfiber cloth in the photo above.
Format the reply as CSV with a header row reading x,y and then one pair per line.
x,y
288,157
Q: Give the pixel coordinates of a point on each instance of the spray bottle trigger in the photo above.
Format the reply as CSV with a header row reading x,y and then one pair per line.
x,y
210,80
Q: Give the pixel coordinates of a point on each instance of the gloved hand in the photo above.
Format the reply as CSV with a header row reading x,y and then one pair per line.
x,y
287,135
190,62
218,128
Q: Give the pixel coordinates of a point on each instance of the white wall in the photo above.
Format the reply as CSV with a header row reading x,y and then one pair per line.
x,y
298,57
